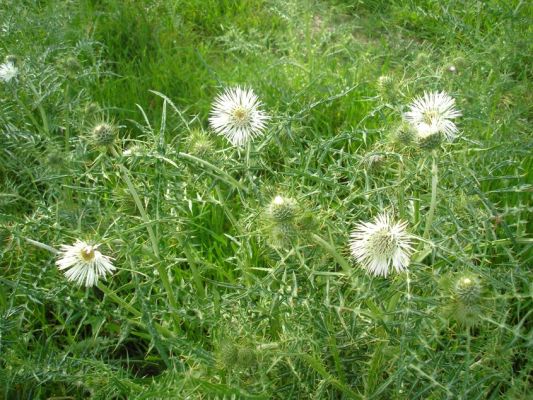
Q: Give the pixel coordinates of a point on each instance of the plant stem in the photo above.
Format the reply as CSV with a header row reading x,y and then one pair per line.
x,y
401,198
42,245
331,250
433,204
41,109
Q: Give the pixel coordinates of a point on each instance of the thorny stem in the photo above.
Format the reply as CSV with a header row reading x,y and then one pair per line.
x,y
433,204
401,198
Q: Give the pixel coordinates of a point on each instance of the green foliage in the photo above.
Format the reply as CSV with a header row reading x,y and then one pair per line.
x,y
222,291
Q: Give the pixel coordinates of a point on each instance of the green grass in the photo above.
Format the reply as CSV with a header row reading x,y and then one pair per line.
x,y
207,303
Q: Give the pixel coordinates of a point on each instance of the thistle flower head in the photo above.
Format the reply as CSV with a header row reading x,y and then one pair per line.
x,y
381,244
8,71
236,114
83,264
433,114
104,134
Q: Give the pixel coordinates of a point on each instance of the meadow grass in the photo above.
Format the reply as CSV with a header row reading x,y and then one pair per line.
x,y
212,298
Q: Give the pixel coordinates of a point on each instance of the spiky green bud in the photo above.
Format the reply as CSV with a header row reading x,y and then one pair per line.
x,y
232,355
246,357
283,210
228,354
467,290
12,59
385,84
104,134
430,142
404,135
199,144
91,108
72,65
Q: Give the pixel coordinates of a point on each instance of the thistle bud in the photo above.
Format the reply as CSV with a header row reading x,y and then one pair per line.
x,y
91,108
199,144
246,357
385,84
387,88
283,210
104,134
467,290
374,162
463,298
404,135
430,142
228,354
236,356
71,65
12,59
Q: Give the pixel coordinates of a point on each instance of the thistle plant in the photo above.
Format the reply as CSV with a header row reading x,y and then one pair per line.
x,y
8,70
326,287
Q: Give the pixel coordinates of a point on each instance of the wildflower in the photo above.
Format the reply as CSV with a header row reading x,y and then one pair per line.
x,y
432,114
84,264
381,244
236,114
8,71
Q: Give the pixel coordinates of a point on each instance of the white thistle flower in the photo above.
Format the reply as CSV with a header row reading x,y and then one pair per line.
x,y
236,114
381,244
8,71
432,113
83,263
